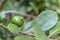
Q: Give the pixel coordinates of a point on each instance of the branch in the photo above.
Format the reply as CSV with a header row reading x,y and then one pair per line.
x,y
3,26
2,4
24,33
17,12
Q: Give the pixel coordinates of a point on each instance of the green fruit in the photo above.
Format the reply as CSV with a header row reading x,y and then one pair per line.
x,y
17,20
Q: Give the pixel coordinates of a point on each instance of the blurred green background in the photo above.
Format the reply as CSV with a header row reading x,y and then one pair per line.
x,y
29,9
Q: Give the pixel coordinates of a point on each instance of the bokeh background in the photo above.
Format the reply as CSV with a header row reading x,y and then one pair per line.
x,y
29,9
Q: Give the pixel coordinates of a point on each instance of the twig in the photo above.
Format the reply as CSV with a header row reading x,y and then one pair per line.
x,y
2,4
17,12
24,33
3,26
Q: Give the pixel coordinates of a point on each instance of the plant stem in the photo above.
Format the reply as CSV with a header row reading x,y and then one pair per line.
x,y
2,4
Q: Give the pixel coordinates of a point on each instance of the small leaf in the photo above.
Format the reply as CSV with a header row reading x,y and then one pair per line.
x,y
29,9
8,6
22,38
33,6
13,28
55,30
28,26
40,35
47,19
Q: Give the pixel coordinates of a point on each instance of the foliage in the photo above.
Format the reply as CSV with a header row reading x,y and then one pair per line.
x,y
13,28
29,19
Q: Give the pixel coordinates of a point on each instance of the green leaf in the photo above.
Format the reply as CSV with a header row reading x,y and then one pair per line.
x,y
34,7
22,38
32,38
3,19
13,28
47,19
8,6
29,9
55,30
28,26
40,35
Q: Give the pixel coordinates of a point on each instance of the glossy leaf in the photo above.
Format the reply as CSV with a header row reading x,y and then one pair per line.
x,y
13,28
55,30
22,38
40,35
47,19
28,26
